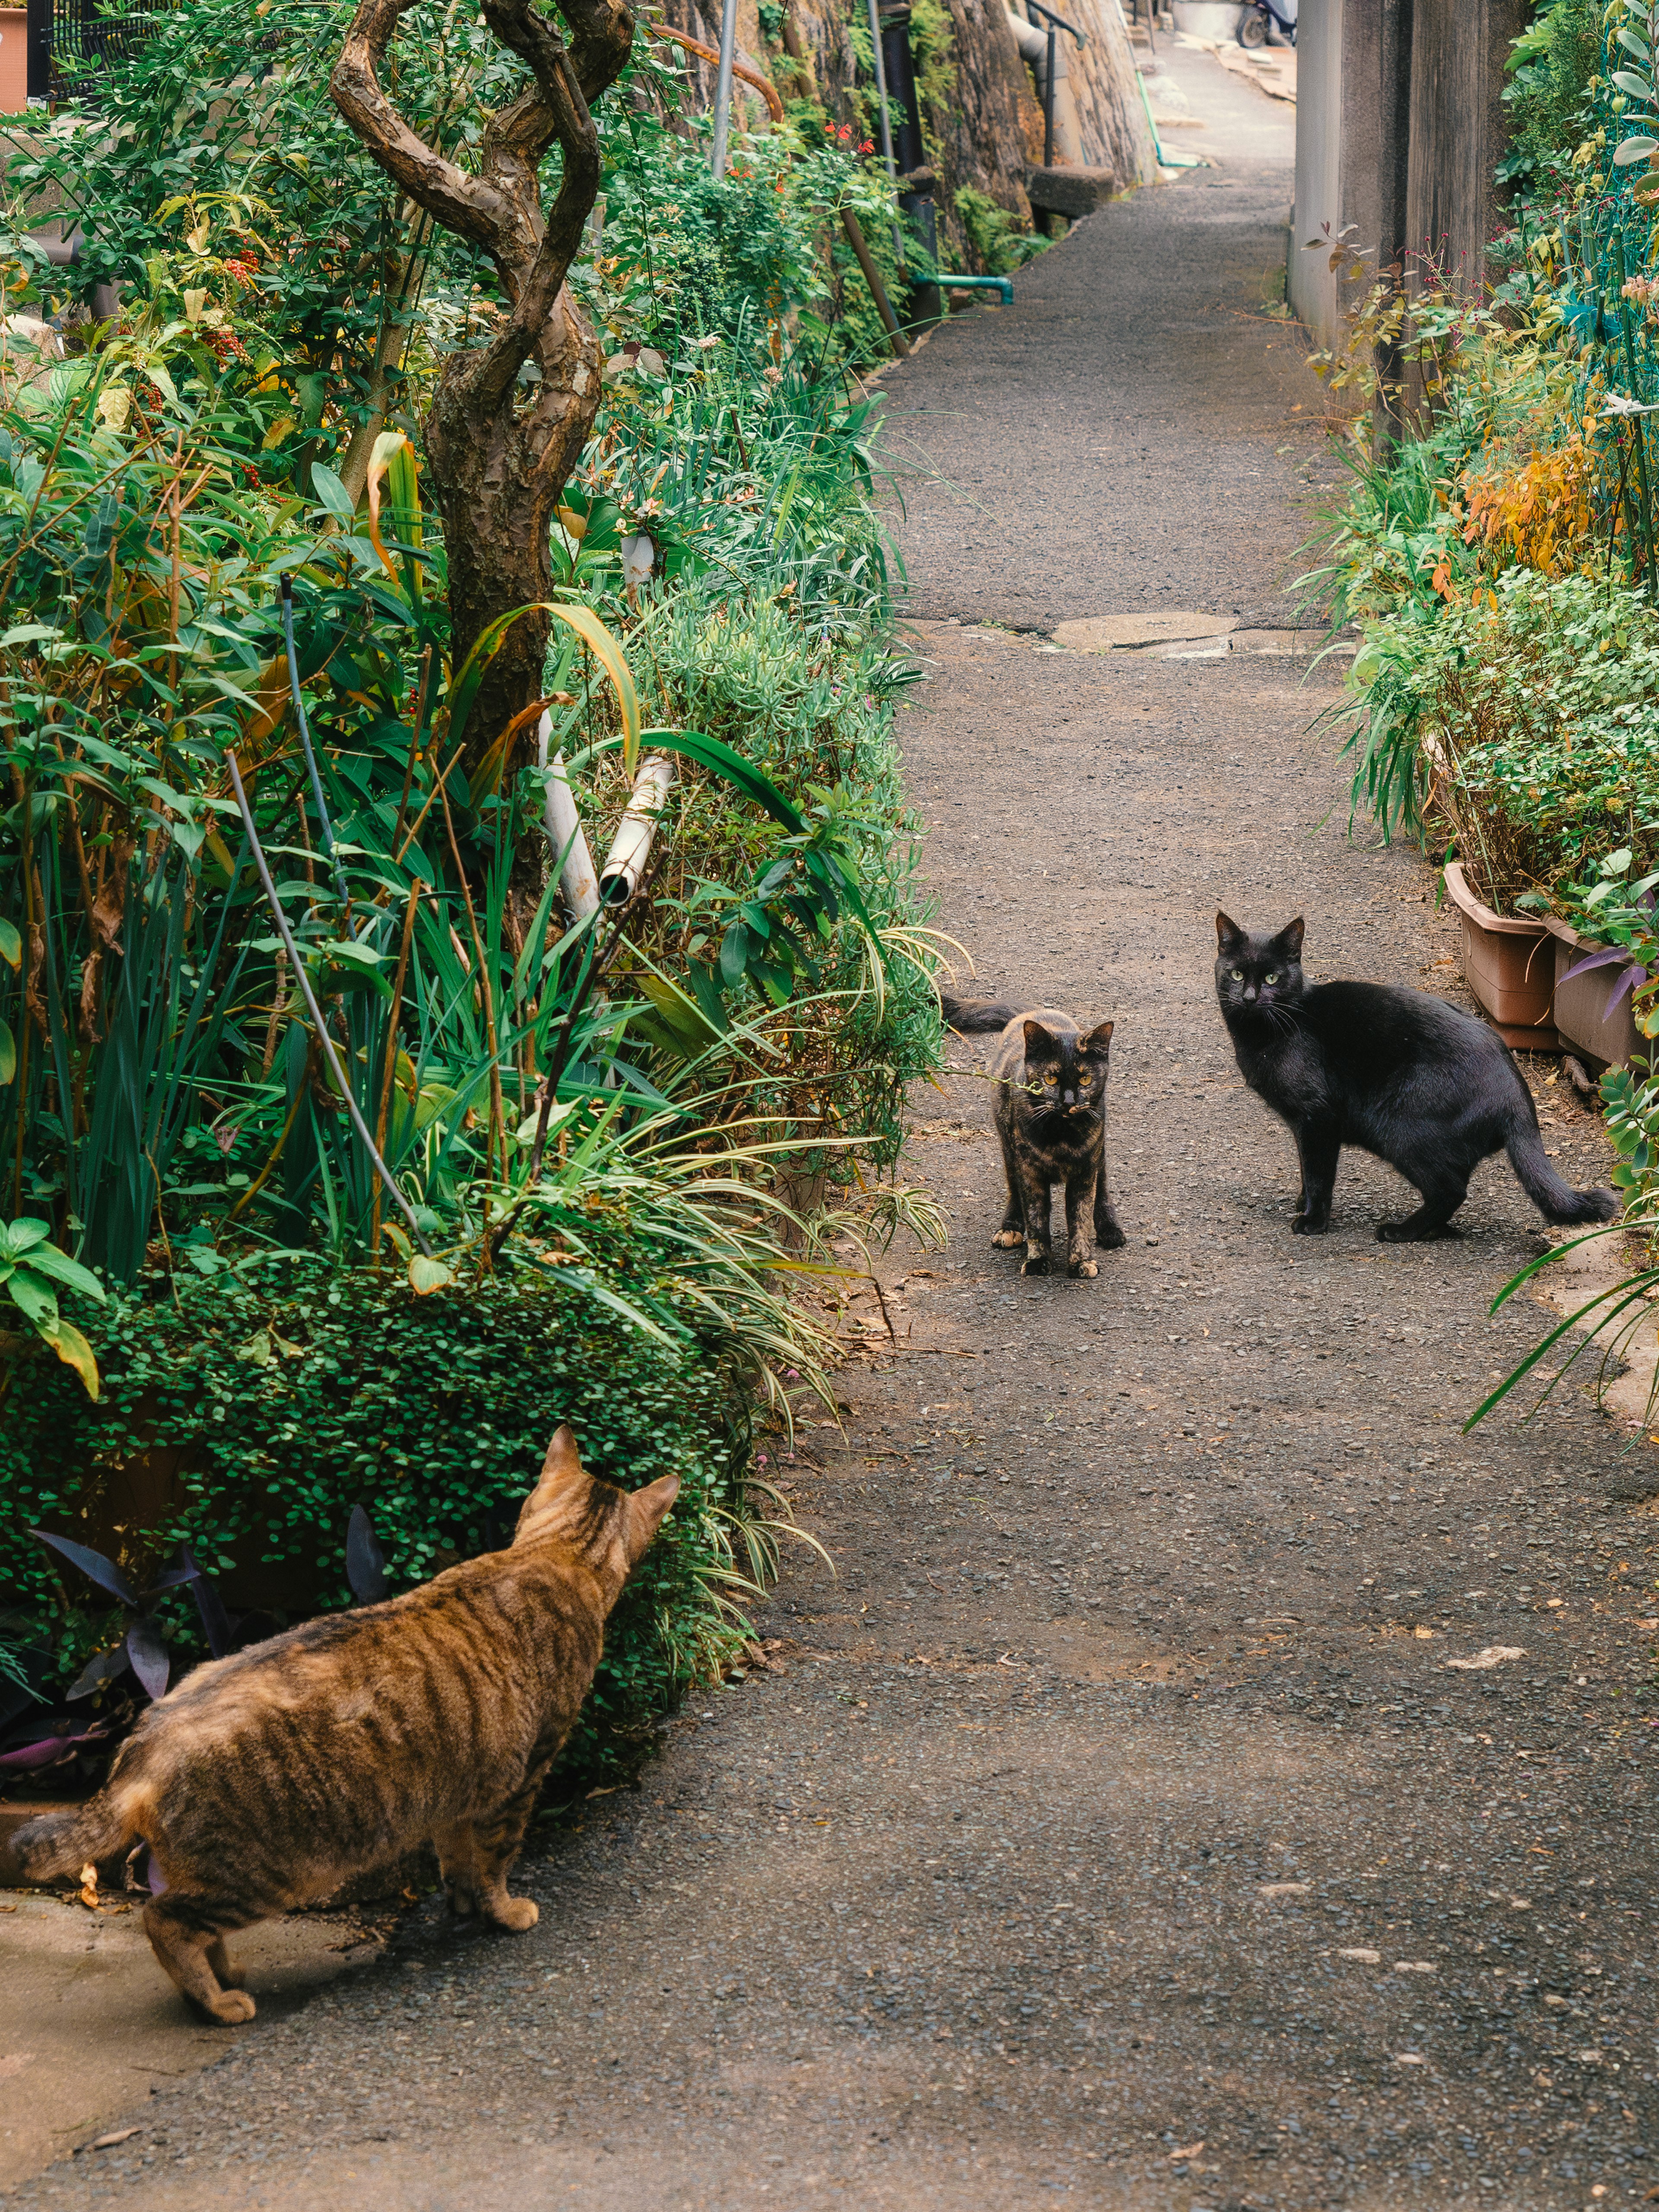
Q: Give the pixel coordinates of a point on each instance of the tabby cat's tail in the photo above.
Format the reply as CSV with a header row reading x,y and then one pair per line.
x,y
1556,1201
62,1843
969,1015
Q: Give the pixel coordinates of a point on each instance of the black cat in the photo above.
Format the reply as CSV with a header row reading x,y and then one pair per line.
x,y
1429,1090
1051,1119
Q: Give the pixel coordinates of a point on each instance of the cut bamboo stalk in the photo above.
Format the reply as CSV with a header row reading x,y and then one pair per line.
x,y
578,885
630,848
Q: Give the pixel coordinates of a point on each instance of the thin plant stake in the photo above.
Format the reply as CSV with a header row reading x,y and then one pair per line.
x,y
319,1026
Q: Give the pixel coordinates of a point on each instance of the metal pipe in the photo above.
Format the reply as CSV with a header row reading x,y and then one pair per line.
x,y
1049,103
729,55
886,120
318,1024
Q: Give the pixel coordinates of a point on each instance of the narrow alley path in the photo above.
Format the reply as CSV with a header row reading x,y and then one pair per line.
x,y
1115,1830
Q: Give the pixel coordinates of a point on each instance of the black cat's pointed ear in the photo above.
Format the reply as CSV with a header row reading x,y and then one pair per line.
x,y
1291,938
1040,1041
1098,1041
1227,931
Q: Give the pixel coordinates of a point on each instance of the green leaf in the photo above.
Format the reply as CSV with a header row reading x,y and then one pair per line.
x,y
22,1235
48,1260
8,1055
331,492
11,944
710,753
426,1275
37,1298
1632,150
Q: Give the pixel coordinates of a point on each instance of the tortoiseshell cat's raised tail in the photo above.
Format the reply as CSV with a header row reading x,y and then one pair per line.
x,y
266,1780
975,1017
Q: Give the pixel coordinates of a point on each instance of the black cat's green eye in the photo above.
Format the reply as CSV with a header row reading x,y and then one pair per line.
x,y
1238,975
1273,978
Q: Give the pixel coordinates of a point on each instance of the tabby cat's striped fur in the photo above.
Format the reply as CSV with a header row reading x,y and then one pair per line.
x,y
267,1779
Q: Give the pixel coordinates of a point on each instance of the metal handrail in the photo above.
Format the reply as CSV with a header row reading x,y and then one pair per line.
x,y
1039,7
1057,23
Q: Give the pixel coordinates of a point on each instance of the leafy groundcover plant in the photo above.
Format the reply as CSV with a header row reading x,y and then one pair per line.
x,y
287,1393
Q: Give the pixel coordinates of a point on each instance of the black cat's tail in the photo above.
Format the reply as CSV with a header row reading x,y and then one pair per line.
x,y
1556,1201
971,1016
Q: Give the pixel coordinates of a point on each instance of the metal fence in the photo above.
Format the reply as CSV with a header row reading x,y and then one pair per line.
x,y
71,39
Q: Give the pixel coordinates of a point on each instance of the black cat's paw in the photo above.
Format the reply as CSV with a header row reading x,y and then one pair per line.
x,y
1312,1224
1110,1240
1408,1232
1039,1264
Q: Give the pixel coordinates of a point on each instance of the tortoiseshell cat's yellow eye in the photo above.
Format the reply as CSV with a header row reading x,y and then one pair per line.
x,y
1237,974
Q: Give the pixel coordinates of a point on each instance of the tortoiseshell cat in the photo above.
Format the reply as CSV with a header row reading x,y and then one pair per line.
x,y
266,1780
1051,1121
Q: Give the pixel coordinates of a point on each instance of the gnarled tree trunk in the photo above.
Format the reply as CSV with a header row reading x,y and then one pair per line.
x,y
499,450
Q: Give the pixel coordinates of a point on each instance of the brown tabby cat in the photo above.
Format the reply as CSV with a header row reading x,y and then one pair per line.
x,y
266,1780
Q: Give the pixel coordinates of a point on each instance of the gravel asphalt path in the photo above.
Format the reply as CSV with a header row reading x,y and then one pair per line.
x,y
1112,1826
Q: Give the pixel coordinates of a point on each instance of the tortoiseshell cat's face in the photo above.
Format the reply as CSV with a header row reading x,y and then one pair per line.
x,y
1065,1074
1257,973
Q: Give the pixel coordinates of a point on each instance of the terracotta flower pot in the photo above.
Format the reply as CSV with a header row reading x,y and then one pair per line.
x,y
1511,968
1581,1018
14,60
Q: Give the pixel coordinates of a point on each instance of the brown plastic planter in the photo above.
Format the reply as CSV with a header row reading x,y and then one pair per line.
x,y
1581,1016
1511,968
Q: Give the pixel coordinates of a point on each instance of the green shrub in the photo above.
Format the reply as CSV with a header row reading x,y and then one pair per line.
x,y
1532,714
279,1396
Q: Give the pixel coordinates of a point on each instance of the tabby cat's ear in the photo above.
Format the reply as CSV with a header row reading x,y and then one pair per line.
x,y
646,1510
1227,932
1098,1040
1291,938
1039,1042
561,1476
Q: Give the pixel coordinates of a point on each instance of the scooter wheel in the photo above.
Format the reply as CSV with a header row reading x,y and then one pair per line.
x,y
1252,31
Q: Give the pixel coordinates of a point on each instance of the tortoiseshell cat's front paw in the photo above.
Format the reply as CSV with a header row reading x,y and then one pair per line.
x,y
1008,1240
1039,1263
1087,1268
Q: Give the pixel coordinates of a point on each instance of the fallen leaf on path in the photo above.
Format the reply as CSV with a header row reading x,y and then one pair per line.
x,y
1365,1958
1492,1655
109,2142
1285,1888
1413,1966
1191,2151
1409,2058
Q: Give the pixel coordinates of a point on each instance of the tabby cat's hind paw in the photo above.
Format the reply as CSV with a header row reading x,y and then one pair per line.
x,y
230,2007
1038,1264
1006,1239
515,1914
